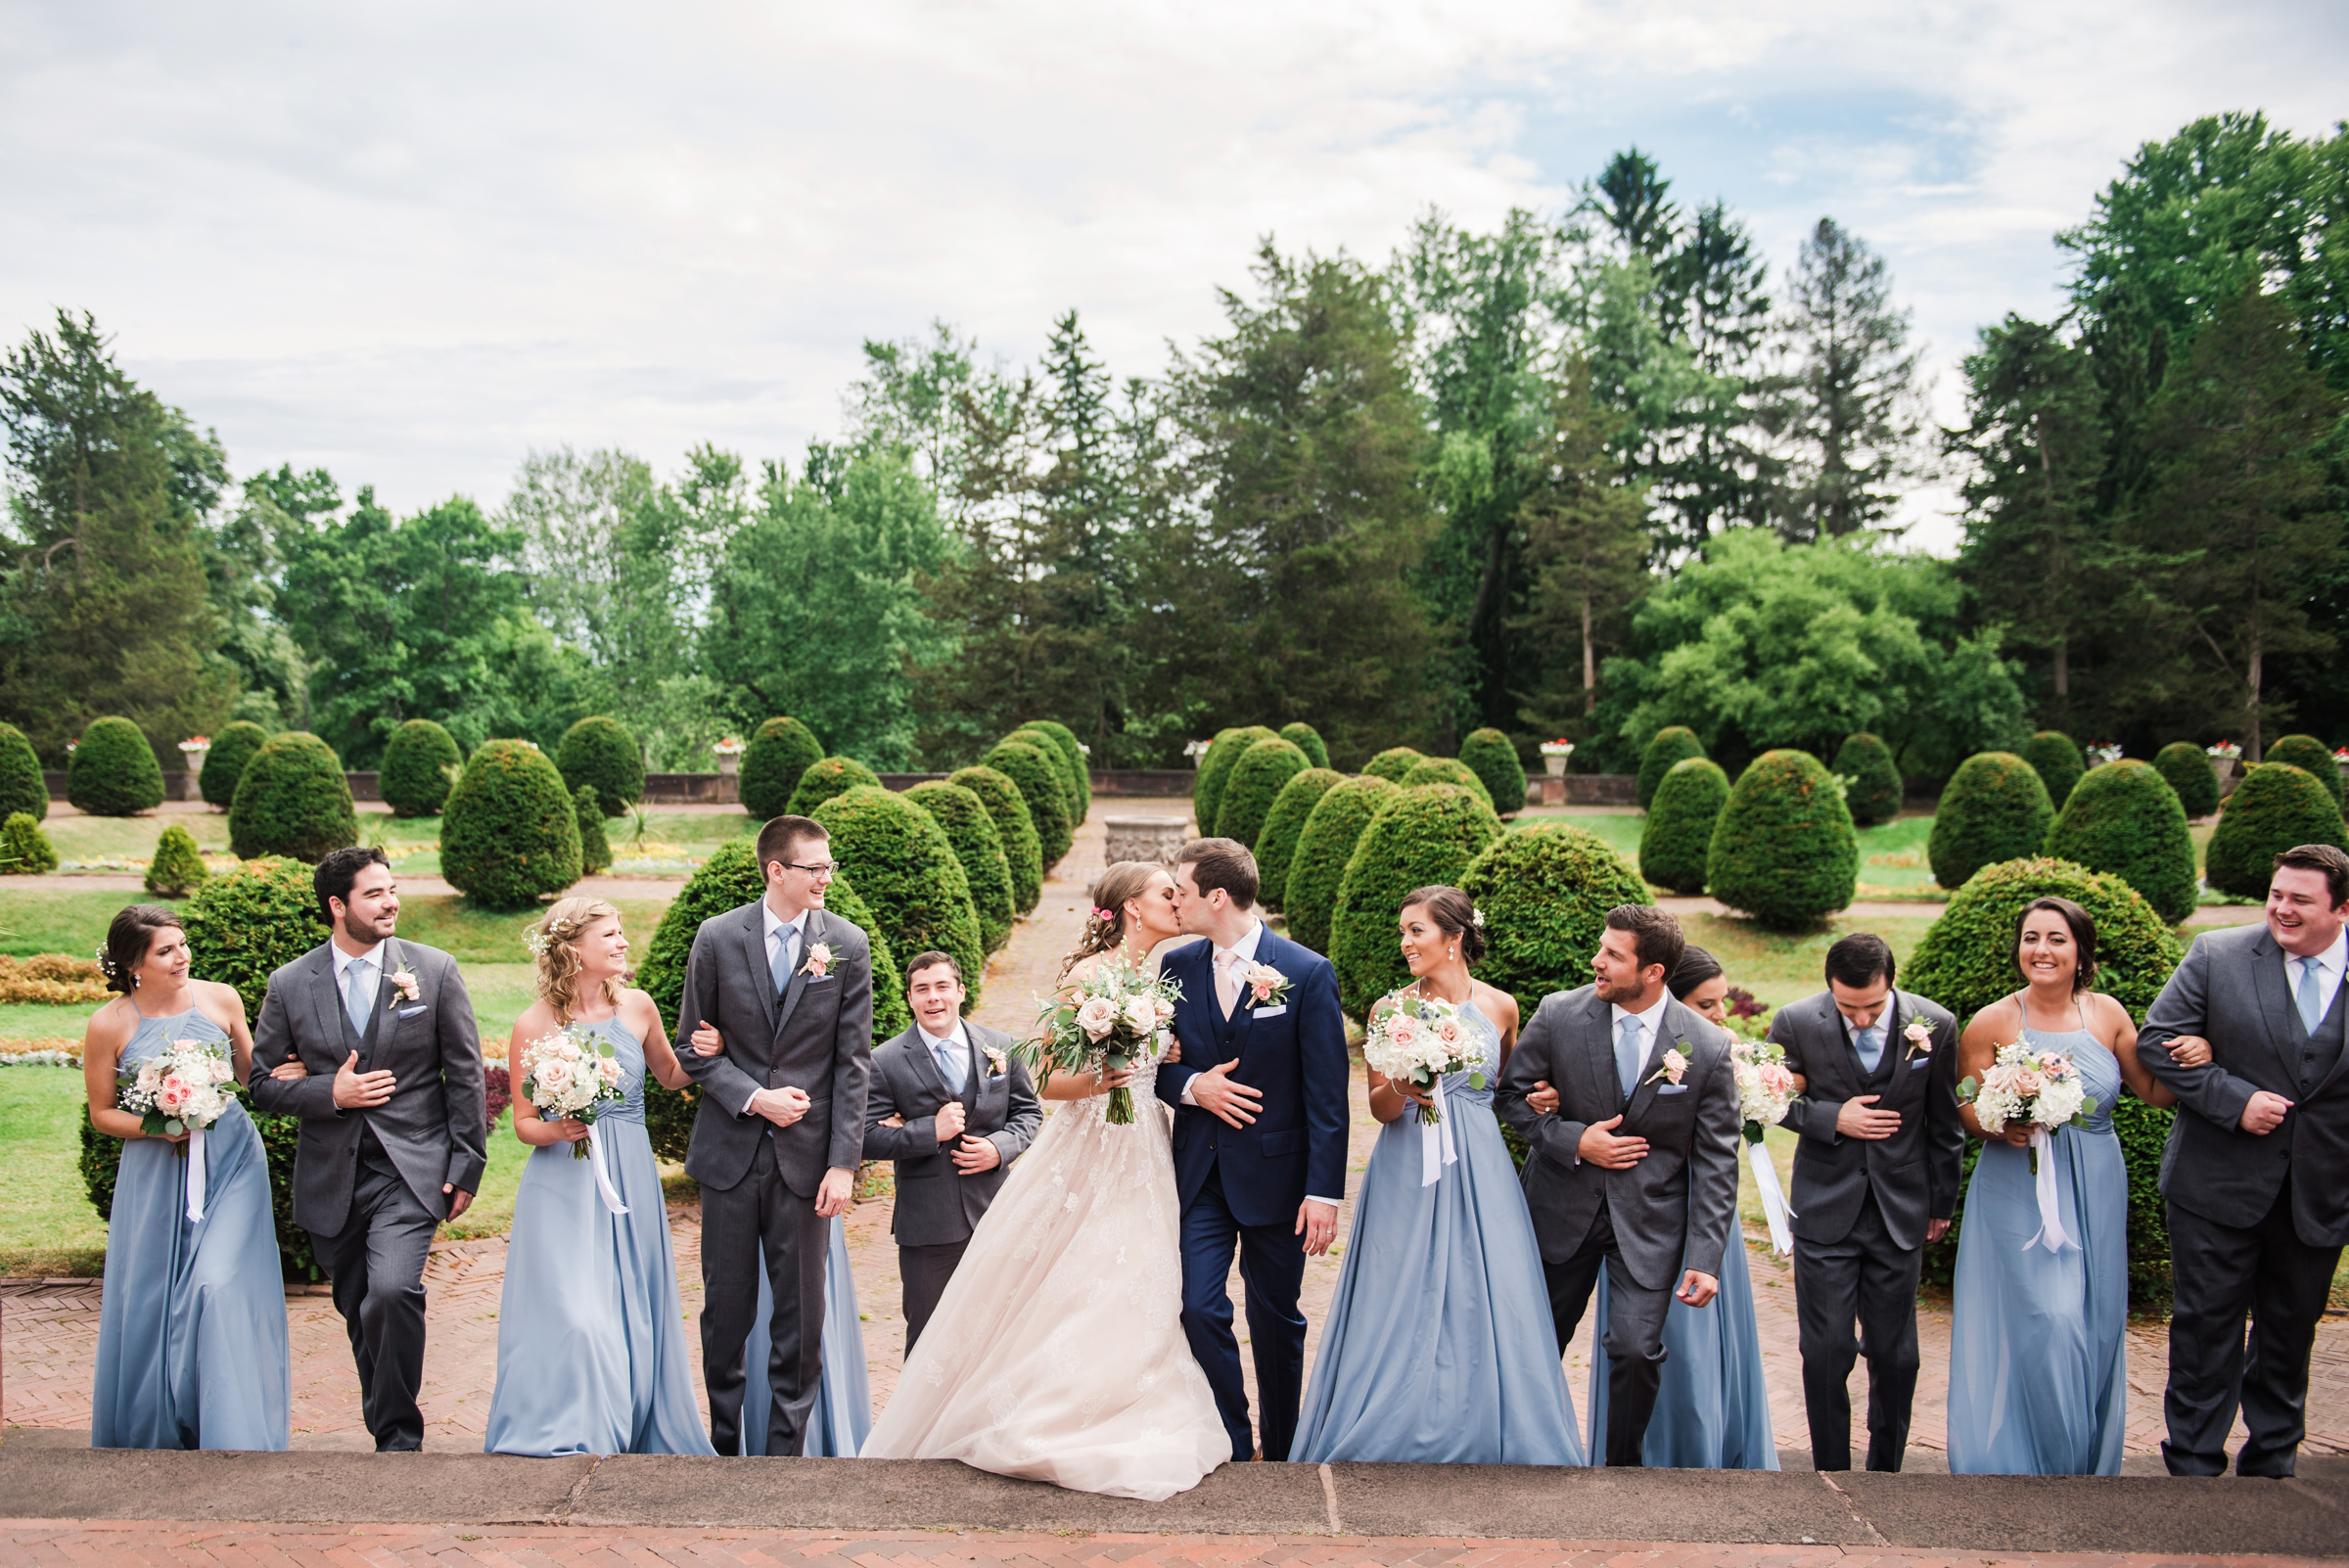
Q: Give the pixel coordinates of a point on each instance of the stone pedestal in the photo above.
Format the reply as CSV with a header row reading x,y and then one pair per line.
x,y
1553,789
1144,838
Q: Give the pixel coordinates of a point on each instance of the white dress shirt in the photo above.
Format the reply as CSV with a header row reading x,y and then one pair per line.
x,y
2329,965
776,925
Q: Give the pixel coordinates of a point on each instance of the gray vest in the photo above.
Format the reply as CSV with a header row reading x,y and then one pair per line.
x,y
2317,1053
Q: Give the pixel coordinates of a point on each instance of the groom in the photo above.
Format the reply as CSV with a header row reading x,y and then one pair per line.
x,y
1260,1132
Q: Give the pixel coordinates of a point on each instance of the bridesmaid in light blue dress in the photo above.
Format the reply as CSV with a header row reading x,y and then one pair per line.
x,y
1438,1346
192,1350
842,1412
591,1354
2038,1342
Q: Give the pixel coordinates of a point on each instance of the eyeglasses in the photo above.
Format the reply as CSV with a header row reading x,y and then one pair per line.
x,y
821,868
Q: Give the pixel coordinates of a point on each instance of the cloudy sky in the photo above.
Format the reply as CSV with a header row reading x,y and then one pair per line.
x,y
411,242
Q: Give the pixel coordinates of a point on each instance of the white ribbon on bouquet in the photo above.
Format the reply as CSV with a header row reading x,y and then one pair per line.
x,y
603,1181
196,1173
1435,1140
2051,1202
1773,1198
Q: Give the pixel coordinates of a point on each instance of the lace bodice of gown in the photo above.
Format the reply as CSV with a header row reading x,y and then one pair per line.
x,y
628,1051
2099,1070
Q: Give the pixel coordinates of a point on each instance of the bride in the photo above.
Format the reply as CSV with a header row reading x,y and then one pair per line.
x,y
1057,1352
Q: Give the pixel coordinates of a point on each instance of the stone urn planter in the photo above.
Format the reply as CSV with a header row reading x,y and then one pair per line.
x,y
1144,838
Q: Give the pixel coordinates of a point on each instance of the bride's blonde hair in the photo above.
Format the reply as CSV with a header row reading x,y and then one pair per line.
x,y
1105,926
555,940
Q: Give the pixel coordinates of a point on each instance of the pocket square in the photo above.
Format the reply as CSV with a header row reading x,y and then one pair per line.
x,y
1672,1088
1922,1061
1273,1011
410,1012
817,979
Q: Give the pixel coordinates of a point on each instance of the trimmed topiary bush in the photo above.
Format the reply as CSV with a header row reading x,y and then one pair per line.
x,y
421,764
595,845
1544,892
113,772
1031,772
600,752
25,849
1994,808
1873,794
2312,757
1223,755
1493,758
1394,763
2123,820
2059,760
1784,848
963,817
2186,767
826,777
1022,851
1449,770
177,868
909,877
777,755
1674,743
2274,807
1677,841
510,833
1072,750
294,799
1425,835
1325,849
1284,824
224,763
1306,739
1070,796
1256,781
21,786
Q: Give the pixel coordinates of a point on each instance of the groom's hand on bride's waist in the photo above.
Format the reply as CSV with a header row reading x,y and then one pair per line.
x,y
1216,1092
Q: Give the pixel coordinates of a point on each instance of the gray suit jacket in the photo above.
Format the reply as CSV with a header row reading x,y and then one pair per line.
x,y
937,1204
1913,1173
435,1128
1673,1210
2234,990
818,1038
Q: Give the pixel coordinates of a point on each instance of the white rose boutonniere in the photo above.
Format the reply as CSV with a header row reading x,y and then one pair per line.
x,y
819,962
404,981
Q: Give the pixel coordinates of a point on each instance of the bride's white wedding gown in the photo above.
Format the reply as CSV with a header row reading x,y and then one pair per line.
x,y
1057,1352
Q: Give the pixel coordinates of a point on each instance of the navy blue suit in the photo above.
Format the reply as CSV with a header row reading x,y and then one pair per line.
x,y
1245,1185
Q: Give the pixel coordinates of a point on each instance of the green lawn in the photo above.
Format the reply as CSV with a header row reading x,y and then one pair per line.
x,y
47,1226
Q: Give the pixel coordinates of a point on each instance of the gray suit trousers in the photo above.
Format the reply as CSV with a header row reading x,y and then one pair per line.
x,y
925,1271
759,1223
375,1263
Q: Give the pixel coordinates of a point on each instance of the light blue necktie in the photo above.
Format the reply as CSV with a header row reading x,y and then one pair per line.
x,y
1869,1043
358,998
783,958
950,1066
2312,996
1627,1055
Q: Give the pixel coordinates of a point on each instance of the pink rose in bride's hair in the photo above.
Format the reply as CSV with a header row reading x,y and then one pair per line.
x,y
1097,1016
554,1076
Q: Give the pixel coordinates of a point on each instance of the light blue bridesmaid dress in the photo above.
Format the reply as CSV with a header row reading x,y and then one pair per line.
x,y
590,1336
2038,1340
192,1325
1438,1346
842,1412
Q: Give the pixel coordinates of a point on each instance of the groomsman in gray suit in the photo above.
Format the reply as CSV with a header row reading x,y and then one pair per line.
x,y
789,988
953,1108
2257,1167
395,1131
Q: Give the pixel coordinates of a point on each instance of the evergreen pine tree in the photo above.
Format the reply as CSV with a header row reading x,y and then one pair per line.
x,y
1853,414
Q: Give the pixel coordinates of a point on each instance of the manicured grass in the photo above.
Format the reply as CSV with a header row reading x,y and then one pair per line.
x,y
1780,968
47,1226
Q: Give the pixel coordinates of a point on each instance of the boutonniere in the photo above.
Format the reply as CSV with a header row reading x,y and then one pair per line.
x,y
1919,1036
819,962
1268,984
404,981
1675,1067
994,1060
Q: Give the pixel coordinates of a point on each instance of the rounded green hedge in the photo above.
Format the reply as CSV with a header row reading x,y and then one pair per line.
x,y
1493,758
1784,848
224,763
510,833
1256,781
1023,851
25,851
1284,824
1306,739
1677,841
113,772
778,753
1994,808
1215,768
1324,847
1875,791
177,868
2059,760
2275,808
908,876
1032,775
963,817
1394,763
2186,768
1544,892
2123,818
1062,772
600,752
1425,835
21,786
2312,757
1674,743
421,764
596,845
826,777
294,799
1072,752
1449,770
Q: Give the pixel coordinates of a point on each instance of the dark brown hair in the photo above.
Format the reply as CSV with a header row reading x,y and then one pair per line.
x,y
338,870
129,938
1221,864
930,961
2320,857
1857,959
2084,939
1455,914
1696,966
781,837
1655,935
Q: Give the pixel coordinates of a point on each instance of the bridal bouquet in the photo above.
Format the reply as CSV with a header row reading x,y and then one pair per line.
x,y
184,1088
1764,1088
1107,1021
1416,1039
2026,1085
570,1074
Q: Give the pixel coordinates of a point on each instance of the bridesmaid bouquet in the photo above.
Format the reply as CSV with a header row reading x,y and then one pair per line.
x,y
569,1074
1764,1088
184,1088
1107,1021
1417,1040
2027,1084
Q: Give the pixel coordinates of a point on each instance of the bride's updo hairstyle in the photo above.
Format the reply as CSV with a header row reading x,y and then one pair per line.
x,y
555,940
1455,914
1105,926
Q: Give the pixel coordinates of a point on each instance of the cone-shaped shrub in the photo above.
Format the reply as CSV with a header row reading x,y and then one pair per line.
x,y
2123,820
421,764
1029,735
2312,757
1223,755
1449,770
600,752
1784,848
596,845
510,832
963,817
1394,763
1323,851
2275,808
1072,750
224,763
1256,781
25,849
22,787
1493,758
177,868
1425,835
1284,826
113,771
2186,768
294,800
1993,808
1306,739
1022,851
1544,892
781,749
1032,775
908,876
1678,839
826,777
2059,761
1873,794
1674,743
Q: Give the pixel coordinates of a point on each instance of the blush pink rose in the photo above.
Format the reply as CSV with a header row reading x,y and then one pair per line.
x,y
221,1071
608,1070
1448,1032
173,1093
554,1076
1097,1016
1403,1029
